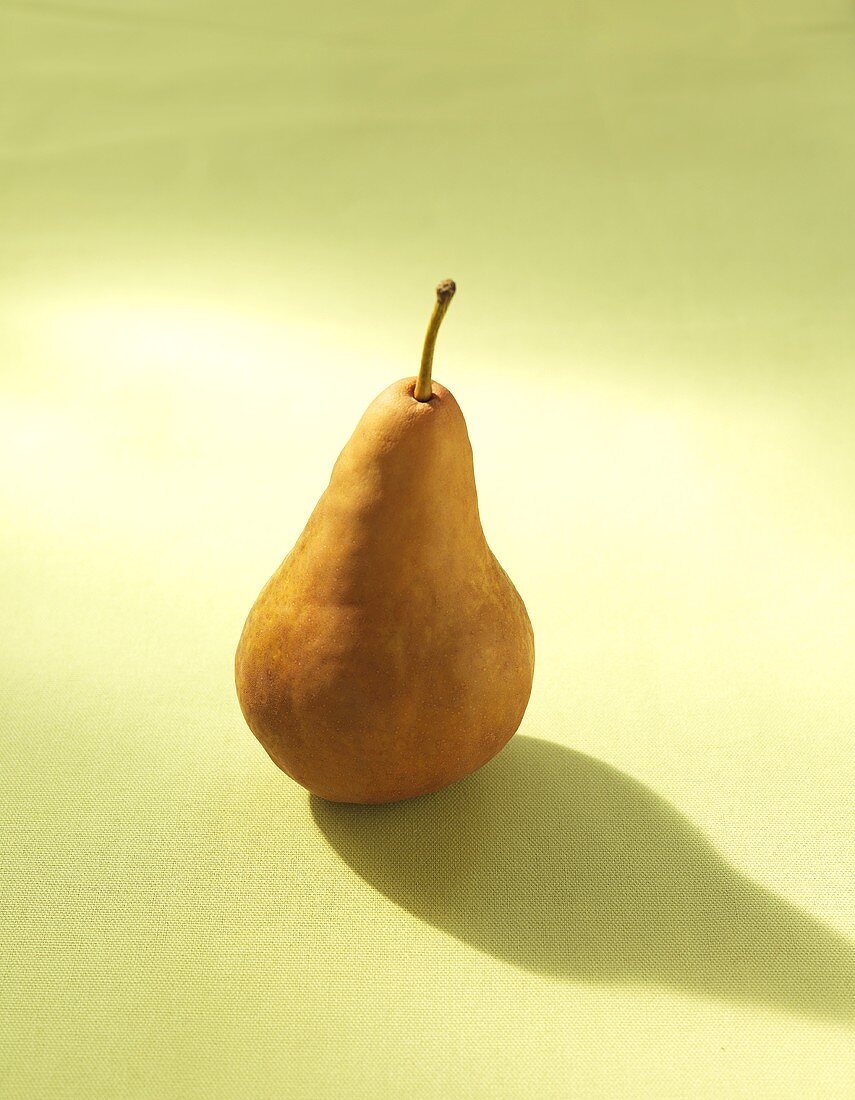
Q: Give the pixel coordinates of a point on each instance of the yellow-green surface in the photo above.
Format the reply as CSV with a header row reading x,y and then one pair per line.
x,y
221,228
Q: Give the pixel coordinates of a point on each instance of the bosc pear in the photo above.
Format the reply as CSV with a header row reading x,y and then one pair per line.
x,y
390,654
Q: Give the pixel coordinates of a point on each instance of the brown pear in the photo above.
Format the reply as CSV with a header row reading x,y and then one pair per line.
x,y
389,654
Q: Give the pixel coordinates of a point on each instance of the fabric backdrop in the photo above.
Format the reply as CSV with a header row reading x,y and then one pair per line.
x,y
221,229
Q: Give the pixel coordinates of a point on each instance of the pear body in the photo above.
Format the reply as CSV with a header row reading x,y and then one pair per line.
x,y
389,654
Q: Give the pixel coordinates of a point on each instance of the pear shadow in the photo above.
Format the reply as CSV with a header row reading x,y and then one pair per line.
x,y
560,864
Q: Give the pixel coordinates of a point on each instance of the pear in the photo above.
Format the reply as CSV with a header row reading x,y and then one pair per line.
x,y
390,655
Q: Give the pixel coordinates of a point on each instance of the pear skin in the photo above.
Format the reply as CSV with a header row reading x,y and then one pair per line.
x,y
389,654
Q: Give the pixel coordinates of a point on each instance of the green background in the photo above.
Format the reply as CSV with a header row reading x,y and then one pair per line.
x,y
221,229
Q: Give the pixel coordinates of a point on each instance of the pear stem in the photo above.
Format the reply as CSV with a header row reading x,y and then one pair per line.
x,y
444,294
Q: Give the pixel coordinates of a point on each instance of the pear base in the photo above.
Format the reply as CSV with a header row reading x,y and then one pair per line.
x,y
402,791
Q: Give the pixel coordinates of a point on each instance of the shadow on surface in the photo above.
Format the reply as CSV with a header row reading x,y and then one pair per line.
x,y
561,864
